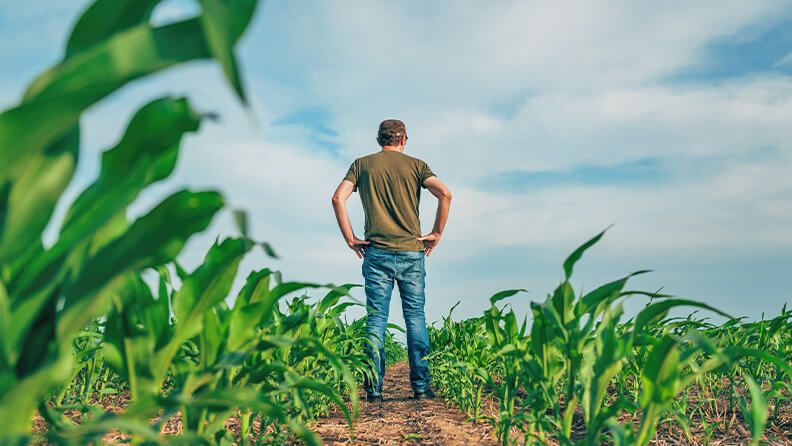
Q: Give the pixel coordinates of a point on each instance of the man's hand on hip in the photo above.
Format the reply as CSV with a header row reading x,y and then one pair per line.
x,y
430,242
355,244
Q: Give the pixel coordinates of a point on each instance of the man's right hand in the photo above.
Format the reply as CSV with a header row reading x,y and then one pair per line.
x,y
430,242
355,244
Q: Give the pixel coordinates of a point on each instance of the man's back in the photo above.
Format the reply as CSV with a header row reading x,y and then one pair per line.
x,y
394,251
389,183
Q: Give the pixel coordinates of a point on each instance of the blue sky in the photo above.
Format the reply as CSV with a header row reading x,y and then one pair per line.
x,y
549,122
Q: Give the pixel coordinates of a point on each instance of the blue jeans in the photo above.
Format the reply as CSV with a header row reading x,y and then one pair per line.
x,y
381,267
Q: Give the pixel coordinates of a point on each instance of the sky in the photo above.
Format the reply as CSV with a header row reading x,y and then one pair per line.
x,y
549,121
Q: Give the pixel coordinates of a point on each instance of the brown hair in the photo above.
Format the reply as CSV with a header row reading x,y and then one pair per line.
x,y
390,132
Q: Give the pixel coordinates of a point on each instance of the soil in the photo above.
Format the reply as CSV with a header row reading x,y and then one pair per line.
x,y
400,420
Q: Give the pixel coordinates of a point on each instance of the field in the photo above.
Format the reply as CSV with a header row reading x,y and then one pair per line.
x,y
270,373
106,337
579,373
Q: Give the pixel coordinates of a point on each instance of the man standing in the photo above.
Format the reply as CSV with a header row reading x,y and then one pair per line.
x,y
389,183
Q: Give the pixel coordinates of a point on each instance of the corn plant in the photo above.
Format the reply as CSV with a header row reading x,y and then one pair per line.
x,y
48,294
581,375
185,351
463,368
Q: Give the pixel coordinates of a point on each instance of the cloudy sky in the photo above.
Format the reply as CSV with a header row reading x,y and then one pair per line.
x,y
549,121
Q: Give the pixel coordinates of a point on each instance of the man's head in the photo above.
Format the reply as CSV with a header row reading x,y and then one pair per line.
x,y
391,133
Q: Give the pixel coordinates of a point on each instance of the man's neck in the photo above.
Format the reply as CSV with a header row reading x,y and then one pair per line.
x,y
393,148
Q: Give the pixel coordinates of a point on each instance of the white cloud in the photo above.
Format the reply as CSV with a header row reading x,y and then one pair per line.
x,y
556,130
739,209
454,53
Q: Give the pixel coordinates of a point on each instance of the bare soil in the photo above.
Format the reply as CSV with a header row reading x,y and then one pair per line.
x,y
400,420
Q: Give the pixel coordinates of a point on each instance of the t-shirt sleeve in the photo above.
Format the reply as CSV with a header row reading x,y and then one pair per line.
x,y
426,172
352,174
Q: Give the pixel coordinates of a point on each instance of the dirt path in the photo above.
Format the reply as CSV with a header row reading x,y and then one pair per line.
x,y
401,420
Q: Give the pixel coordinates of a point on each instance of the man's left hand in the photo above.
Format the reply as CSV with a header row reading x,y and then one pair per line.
x,y
357,245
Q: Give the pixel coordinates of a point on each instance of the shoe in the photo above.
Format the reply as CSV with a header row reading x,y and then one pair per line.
x,y
424,395
374,397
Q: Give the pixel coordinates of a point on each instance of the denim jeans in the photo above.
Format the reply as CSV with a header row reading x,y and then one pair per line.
x,y
381,268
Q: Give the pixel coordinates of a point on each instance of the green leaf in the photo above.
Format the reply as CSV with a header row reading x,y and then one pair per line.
x,y
209,283
562,302
146,154
131,334
268,249
285,288
758,413
104,18
658,310
33,194
213,336
621,435
37,307
201,290
397,328
152,240
223,22
257,287
497,297
332,297
306,435
252,307
244,320
241,221
5,321
63,92
661,373
111,45
569,263
18,403
317,386
604,294
738,352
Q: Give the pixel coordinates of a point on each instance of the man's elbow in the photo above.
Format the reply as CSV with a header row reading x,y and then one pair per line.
x,y
337,200
445,195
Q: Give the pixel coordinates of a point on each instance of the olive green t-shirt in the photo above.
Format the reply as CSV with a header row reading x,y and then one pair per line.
x,y
389,184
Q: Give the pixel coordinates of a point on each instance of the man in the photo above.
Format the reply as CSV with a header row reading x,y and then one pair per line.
x,y
389,183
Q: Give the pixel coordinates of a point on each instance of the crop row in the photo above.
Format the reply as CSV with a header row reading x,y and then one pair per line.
x,y
579,373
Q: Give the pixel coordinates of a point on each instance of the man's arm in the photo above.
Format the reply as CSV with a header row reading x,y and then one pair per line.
x,y
439,190
343,191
